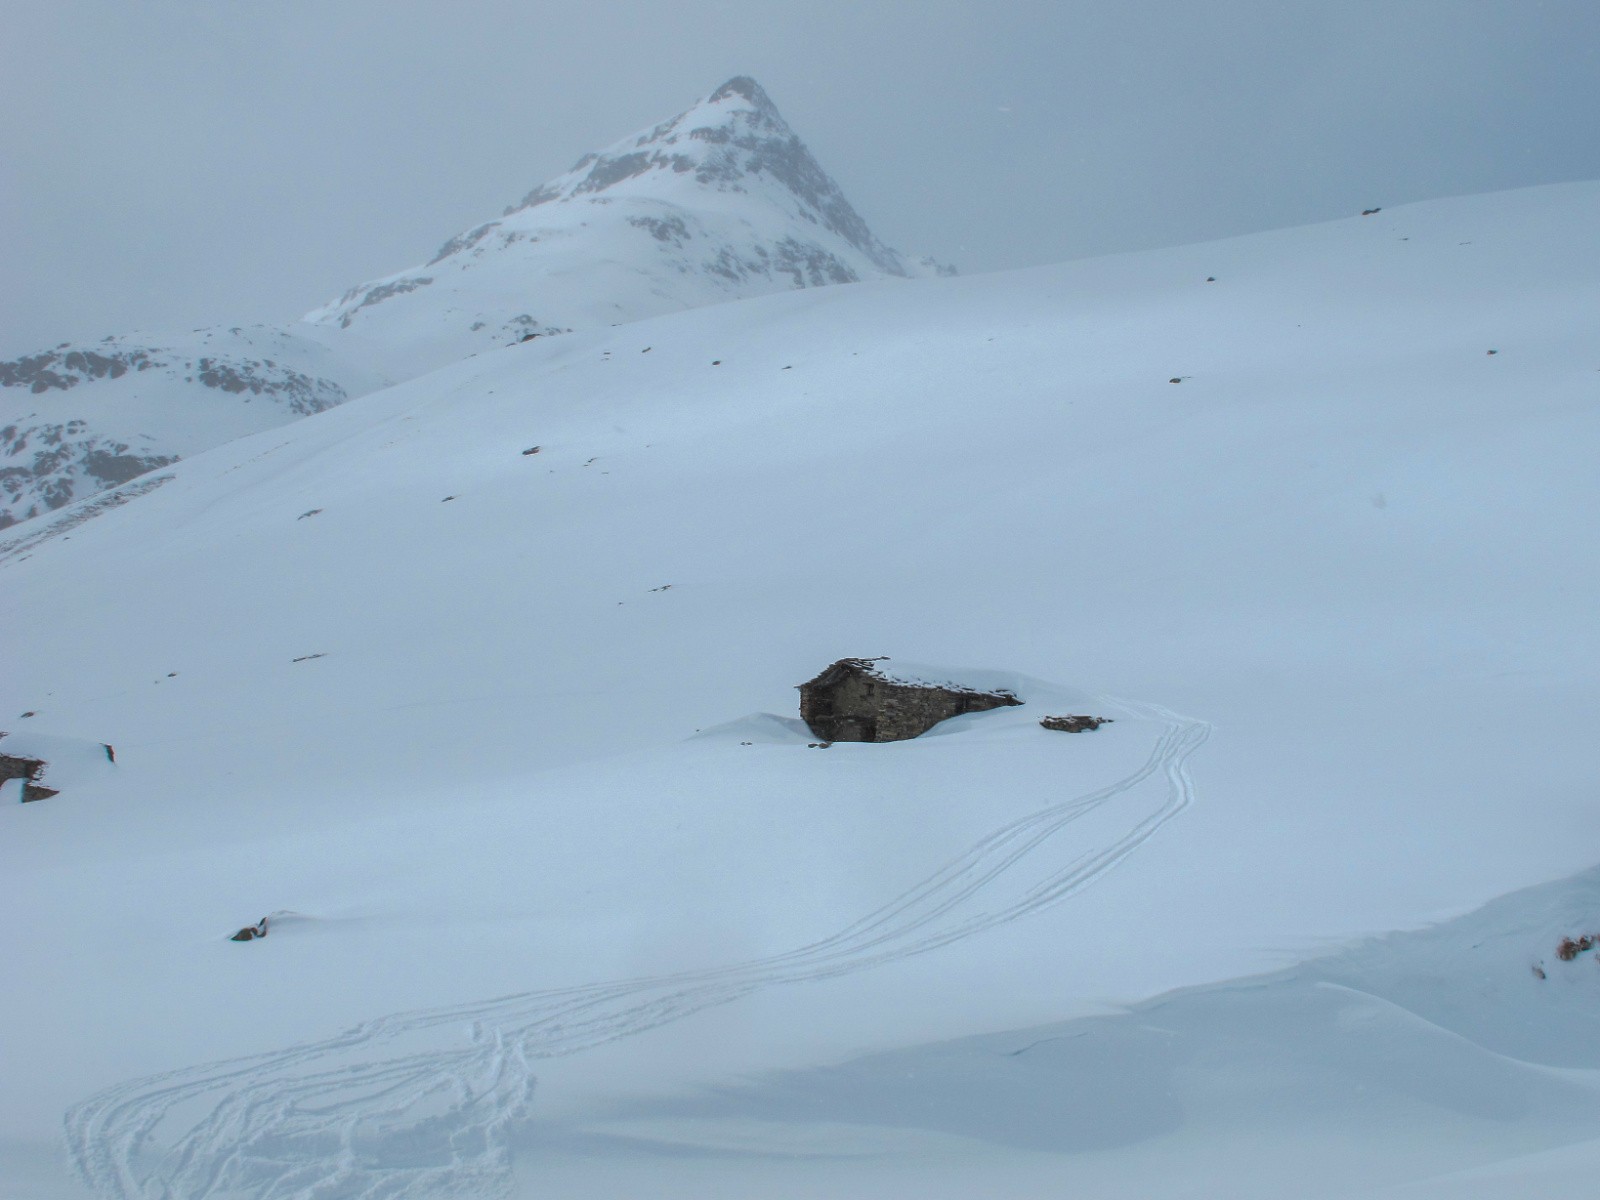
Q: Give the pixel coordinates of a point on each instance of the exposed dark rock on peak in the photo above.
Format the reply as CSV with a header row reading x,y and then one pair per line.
x,y
743,85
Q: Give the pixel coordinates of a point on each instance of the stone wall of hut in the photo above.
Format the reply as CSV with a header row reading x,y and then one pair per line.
x,y
855,706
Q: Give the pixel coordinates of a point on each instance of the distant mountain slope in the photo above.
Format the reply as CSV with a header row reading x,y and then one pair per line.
x,y
77,419
722,201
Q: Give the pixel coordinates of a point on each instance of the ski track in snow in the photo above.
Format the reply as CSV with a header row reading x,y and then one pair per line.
x,y
385,1111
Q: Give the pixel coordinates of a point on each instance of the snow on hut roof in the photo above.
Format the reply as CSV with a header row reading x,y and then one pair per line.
x,y
958,679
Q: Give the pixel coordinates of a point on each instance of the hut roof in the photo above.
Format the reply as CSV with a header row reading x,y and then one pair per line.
x,y
913,675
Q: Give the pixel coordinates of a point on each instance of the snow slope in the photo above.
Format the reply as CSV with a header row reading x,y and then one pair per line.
x,y
1435,1054
509,738
723,201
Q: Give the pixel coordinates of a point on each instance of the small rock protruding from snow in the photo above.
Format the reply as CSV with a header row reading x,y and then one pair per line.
x,y
250,932
1571,947
1074,723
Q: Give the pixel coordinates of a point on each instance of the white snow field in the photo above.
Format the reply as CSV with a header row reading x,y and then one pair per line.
x,y
563,901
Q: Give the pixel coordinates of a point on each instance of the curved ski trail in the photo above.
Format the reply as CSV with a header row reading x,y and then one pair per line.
x,y
403,1106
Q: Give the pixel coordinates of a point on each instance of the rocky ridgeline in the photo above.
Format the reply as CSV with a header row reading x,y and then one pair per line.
x,y
64,368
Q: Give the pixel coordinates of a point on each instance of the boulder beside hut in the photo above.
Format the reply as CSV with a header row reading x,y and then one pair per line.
x,y
860,700
1074,723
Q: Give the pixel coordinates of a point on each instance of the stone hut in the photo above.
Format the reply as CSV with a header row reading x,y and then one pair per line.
x,y
859,700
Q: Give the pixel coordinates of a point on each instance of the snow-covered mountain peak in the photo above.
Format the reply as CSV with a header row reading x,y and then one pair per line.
x,y
734,140
696,142
720,202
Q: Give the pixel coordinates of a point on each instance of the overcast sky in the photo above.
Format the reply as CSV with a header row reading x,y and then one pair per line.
x,y
172,163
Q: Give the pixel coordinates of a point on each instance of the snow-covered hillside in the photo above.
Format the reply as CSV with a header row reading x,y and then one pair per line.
x,y
723,201
484,685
